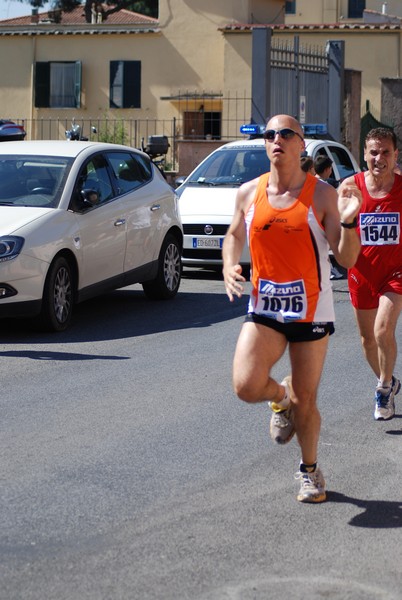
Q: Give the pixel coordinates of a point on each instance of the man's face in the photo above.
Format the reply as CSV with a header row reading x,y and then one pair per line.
x,y
380,156
280,149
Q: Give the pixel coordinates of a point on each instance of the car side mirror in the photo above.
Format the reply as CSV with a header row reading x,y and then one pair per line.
x,y
90,197
179,180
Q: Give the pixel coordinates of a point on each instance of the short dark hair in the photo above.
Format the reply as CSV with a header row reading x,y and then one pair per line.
x,y
321,163
306,163
382,133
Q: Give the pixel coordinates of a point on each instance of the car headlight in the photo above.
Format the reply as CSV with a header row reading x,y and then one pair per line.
x,y
10,247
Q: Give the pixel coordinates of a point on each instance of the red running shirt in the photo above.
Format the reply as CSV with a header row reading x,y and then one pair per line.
x,y
379,227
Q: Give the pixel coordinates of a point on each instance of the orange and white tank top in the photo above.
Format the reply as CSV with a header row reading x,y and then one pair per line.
x,y
290,270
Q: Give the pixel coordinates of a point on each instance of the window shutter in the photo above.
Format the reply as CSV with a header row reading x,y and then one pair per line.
x,y
78,71
125,84
132,84
356,8
42,84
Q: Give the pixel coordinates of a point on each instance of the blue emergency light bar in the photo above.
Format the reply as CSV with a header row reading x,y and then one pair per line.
x,y
315,129
310,129
252,129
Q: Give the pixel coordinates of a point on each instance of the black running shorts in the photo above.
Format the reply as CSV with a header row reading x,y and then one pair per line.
x,y
295,331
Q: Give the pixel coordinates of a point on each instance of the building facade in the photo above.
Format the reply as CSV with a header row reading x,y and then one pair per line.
x,y
187,74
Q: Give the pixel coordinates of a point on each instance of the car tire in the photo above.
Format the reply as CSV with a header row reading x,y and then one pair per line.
x,y
58,297
167,282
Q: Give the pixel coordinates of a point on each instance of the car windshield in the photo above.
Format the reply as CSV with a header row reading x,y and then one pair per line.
x,y
32,180
231,167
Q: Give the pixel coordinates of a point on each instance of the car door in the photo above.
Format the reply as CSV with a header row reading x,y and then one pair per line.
x,y
142,199
342,161
102,223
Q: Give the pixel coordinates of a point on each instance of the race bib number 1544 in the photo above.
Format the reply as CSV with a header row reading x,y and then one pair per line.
x,y
379,229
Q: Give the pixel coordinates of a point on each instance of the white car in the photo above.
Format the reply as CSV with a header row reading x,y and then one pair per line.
x,y
78,219
207,195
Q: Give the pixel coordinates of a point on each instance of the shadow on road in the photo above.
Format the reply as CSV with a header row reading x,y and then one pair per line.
x,y
393,431
128,313
378,514
48,355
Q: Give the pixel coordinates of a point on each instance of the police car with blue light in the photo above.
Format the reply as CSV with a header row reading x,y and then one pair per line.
x,y
207,196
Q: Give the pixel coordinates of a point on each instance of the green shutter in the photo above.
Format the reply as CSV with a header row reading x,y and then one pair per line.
x,y
78,71
42,84
132,84
113,70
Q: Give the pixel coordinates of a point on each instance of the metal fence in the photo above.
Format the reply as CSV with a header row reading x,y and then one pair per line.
x,y
306,82
233,110
299,72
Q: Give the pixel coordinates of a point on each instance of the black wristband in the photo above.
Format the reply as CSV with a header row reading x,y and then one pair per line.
x,y
351,225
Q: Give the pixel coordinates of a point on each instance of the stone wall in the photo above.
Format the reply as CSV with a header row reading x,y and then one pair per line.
x,y
352,103
391,105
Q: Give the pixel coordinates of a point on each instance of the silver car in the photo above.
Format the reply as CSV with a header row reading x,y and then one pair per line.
x,y
78,219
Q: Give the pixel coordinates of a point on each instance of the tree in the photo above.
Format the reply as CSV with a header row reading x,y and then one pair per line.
x,y
145,7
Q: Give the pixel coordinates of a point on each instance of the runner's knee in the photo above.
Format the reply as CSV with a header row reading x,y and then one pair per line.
x,y
246,391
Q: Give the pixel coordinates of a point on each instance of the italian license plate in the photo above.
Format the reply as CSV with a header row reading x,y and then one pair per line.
x,y
207,242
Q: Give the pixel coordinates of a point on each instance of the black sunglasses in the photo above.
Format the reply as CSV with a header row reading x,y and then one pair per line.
x,y
286,134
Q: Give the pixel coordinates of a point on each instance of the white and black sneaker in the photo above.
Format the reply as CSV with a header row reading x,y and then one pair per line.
x,y
282,428
312,486
385,400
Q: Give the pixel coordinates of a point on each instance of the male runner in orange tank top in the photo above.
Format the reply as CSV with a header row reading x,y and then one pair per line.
x,y
291,219
375,282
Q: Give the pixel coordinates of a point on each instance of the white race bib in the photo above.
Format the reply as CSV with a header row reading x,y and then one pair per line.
x,y
379,229
281,301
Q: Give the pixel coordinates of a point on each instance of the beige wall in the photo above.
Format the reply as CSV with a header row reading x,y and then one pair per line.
x,y
333,11
238,57
15,90
314,11
189,54
95,53
219,12
262,11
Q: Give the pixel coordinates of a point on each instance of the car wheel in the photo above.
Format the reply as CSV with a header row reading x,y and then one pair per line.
x,y
57,301
167,282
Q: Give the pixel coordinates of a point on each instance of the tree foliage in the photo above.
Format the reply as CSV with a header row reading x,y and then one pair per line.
x,y
145,7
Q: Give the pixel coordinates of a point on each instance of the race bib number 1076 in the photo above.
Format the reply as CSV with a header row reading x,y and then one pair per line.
x,y
281,301
379,229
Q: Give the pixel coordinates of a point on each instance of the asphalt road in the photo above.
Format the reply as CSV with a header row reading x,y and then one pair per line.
x,y
129,470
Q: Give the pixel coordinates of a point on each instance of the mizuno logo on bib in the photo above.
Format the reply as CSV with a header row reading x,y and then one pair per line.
x,y
281,301
379,229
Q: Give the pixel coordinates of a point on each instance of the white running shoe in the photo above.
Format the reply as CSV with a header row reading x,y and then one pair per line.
x,y
385,401
282,428
312,487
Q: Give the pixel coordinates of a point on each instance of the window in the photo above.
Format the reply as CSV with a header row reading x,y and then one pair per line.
x,y
290,7
33,180
212,125
131,170
202,124
57,84
125,84
232,166
343,161
356,8
93,185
